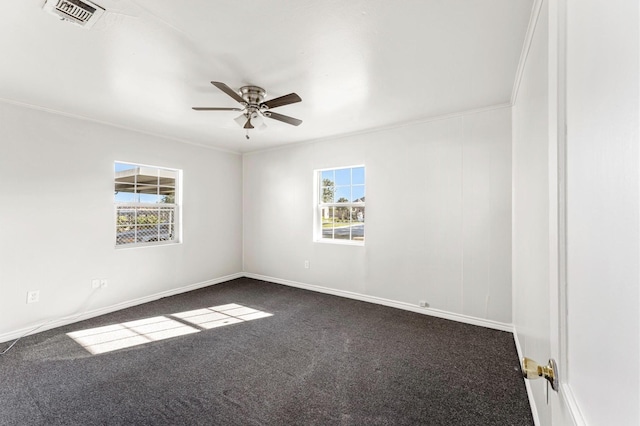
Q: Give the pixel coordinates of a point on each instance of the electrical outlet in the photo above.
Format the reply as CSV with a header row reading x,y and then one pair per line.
x,y
104,283
33,296
95,283
423,304
306,264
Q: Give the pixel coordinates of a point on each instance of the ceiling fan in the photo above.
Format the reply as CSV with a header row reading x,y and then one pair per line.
x,y
254,106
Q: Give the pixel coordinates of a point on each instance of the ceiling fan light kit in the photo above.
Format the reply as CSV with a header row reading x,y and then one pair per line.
x,y
254,107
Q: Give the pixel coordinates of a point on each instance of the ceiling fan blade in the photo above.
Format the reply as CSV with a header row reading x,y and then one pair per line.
x,y
215,109
291,98
283,118
248,124
229,91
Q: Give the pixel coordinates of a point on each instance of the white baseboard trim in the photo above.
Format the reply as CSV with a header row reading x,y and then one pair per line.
x,y
387,302
527,383
572,405
566,395
59,322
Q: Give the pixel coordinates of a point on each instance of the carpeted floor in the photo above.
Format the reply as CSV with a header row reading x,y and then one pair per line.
x,y
317,360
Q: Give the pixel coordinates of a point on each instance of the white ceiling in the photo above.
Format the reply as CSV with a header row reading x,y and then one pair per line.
x,y
358,64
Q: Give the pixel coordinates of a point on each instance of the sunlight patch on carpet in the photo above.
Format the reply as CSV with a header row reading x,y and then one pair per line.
x,y
218,316
109,338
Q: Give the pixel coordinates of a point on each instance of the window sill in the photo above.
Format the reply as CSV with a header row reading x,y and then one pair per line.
x,y
145,245
339,242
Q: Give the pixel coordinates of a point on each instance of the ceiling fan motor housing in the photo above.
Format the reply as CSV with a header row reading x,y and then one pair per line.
x,y
253,95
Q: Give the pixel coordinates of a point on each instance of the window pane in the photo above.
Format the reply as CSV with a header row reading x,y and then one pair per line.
x,y
124,166
357,224
342,223
147,233
329,176
151,178
357,192
125,235
327,222
168,195
125,187
343,177
167,177
357,176
327,194
150,198
127,197
166,232
126,216
166,215
147,215
343,194
146,189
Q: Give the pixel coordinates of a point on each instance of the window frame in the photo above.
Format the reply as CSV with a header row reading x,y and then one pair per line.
x,y
175,207
319,205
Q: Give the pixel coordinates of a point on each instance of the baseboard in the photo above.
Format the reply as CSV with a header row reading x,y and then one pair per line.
x,y
566,395
59,322
387,302
572,405
527,383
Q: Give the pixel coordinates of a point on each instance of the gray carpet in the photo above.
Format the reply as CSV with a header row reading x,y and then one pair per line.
x,y
318,360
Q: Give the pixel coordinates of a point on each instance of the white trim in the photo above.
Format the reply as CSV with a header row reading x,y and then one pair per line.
x,y
572,405
59,322
526,46
274,148
496,325
527,383
558,131
339,168
356,243
566,395
383,128
560,297
117,126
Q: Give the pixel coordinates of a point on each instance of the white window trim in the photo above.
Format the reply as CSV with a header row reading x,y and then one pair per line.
x,y
317,207
177,205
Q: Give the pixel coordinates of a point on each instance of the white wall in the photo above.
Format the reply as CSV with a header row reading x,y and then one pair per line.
x,y
438,219
603,209
57,217
531,206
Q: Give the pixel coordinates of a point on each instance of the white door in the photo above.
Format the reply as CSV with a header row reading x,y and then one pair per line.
x,y
576,215
594,295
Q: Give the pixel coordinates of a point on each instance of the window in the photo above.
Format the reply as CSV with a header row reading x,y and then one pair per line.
x,y
340,205
146,202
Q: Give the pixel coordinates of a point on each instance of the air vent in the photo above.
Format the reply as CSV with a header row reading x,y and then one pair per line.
x,y
79,12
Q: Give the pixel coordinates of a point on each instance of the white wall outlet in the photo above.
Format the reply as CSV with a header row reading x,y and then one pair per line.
x,y
423,304
104,283
95,283
306,264
33,296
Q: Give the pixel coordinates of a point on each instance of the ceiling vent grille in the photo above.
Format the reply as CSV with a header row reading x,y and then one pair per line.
x,y
79,12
